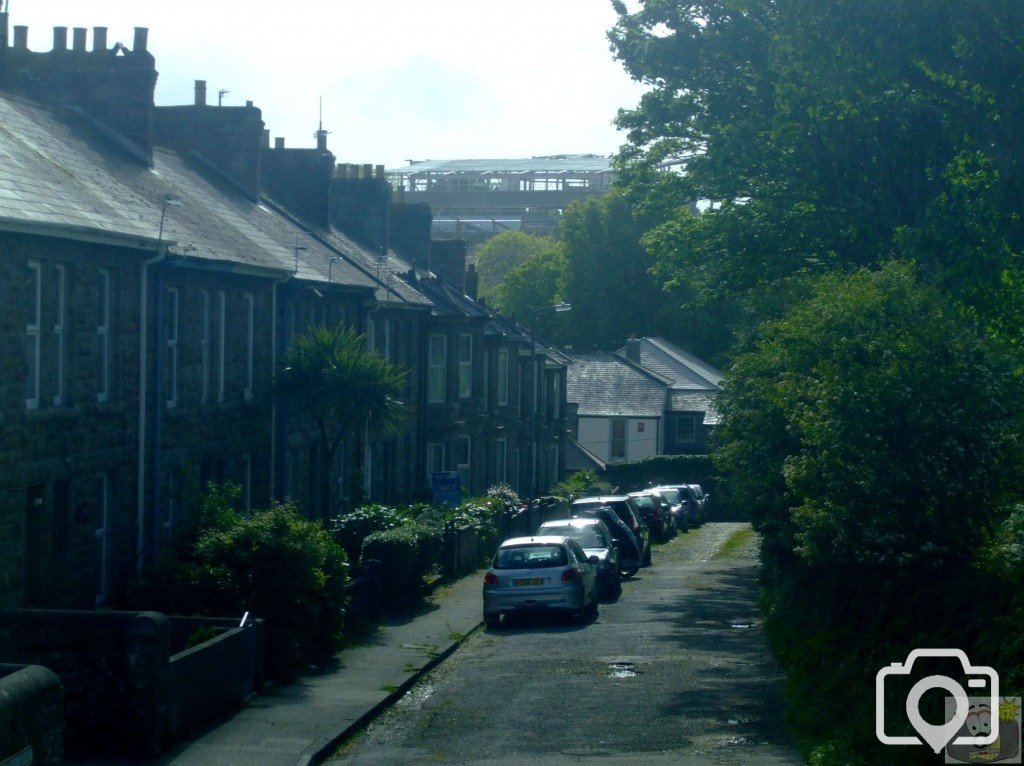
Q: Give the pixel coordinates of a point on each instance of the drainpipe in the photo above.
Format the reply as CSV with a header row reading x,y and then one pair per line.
x,y
158,397
140,520
276,482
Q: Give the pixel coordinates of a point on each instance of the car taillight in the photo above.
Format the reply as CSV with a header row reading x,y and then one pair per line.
x,y
570,574
490,579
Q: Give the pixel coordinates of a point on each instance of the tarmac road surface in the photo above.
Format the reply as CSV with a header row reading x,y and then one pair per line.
x,y
676,671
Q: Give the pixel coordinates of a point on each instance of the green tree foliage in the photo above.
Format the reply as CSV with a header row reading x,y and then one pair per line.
x,y
874,436
503,252
829,134
534,284
607,275
329,375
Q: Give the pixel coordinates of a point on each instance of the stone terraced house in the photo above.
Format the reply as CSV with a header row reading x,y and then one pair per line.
x,y
154,264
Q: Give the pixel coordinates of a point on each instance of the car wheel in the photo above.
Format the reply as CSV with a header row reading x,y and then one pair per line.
x,y
492,621
628,571
647,556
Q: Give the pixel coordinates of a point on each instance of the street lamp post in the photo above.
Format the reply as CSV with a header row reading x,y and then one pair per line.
x,y
537,379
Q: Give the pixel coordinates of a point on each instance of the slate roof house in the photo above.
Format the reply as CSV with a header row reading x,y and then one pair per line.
x,y
155,263
648,398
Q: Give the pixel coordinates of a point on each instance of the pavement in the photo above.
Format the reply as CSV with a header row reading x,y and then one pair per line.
x,y
301,723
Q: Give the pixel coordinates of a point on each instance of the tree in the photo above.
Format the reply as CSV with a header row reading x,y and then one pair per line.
x,y
828,135
502,253
534,284
344,388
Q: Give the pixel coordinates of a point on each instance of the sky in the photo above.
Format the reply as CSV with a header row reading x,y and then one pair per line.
x,y
397,79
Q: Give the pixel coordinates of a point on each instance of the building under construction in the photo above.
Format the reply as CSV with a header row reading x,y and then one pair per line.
x,y
475,199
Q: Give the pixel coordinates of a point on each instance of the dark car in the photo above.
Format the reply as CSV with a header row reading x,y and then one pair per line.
x,y
657,512
595,539
683,505
630,556
625,508
702,500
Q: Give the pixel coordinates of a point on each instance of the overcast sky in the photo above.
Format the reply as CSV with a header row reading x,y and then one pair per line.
x,y
400,79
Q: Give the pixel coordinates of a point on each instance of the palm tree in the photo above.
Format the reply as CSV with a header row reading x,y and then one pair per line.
x,y
345,389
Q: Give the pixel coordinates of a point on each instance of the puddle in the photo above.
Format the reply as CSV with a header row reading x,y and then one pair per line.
x,y
622,670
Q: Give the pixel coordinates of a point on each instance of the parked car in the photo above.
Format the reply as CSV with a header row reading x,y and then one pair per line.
x,y
679,505
625,508
630,557
683,505
689,492
702,500
595,539
657,512
537,574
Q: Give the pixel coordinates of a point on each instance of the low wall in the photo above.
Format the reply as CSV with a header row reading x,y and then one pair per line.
x,y
131,687
363,607
31,716
215,677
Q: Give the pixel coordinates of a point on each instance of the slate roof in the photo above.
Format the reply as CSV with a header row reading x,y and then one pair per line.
x,y
685,370
695,401
606,385
58,176
579,458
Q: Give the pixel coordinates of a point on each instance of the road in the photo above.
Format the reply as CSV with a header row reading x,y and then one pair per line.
x,y
676,671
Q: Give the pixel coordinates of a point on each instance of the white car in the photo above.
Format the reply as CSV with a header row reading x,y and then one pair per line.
x,y
540,574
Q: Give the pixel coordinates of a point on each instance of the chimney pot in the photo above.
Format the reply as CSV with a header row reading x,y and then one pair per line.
x,y
266,138
321,140
78,39
141,39
279,142
99,38
200,92
21,37
60,38
367,171
380,171
248,104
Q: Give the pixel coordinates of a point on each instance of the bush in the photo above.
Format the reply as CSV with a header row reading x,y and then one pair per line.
x,y
274,564
350,529
285,569
406,554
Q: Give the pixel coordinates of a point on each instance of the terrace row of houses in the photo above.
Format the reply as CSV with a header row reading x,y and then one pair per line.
x,y
155,263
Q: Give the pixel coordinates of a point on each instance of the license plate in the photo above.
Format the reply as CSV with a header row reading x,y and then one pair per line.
x,y
529,581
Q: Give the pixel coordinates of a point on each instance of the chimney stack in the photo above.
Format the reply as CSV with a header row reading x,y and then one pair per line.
x,y
200,92
321,140
21,37
99,39
141,40
78,39
279,142
633,350
60,38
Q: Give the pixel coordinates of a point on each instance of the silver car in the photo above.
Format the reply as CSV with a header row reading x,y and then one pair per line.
x,y
542,573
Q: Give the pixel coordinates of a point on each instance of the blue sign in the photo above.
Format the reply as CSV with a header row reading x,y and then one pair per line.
x,y
447,487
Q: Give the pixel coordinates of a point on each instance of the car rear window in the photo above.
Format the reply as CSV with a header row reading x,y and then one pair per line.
x,y
644,501
530,557
587,537
669,494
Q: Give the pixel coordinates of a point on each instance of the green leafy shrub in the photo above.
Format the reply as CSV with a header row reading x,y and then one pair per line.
x,y
286,569
274,564
350,529
582,483
402,562
505,495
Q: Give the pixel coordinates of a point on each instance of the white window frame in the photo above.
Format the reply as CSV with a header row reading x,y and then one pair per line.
x,y
204,346
173,299
437,369
465,352
435,458
221,351
60,333
32,339
250,340
613,439
103,335
503,376
464,467
691,421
